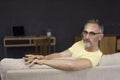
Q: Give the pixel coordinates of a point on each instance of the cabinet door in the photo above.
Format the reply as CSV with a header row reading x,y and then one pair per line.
x,y
108,44
118,44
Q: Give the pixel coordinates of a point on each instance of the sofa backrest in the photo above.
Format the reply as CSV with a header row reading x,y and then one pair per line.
x,y
110,59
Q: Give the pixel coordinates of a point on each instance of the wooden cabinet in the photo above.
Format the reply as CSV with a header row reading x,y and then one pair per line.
x,y
108,45
28,41
118,44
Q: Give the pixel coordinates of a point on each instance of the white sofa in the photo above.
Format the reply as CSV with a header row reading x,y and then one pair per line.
x,y
108,69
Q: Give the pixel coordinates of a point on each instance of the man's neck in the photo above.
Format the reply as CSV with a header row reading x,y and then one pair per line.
x,y
92,49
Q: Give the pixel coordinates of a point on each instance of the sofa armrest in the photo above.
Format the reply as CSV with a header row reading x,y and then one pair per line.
x,y
96,73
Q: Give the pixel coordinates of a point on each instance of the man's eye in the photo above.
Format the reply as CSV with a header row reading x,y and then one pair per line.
x,y
85,32
92,33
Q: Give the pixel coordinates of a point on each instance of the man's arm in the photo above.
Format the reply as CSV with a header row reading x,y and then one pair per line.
x,y
29,58
66,53
63,64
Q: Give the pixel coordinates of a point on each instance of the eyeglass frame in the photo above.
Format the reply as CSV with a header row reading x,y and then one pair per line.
x,y
90,33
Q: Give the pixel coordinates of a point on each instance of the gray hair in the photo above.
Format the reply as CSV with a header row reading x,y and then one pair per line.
x,y
96,21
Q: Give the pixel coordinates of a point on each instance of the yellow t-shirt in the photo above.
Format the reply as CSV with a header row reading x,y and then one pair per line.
x,y
78,51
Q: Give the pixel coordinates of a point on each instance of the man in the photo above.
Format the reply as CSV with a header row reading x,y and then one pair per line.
x,y
86,51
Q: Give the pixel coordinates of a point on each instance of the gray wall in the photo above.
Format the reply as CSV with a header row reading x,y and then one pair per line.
x,y
65,18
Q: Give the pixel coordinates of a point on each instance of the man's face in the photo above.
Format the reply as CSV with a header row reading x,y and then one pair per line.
x,y
91,35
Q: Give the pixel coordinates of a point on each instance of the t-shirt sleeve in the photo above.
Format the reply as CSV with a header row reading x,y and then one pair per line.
x,y
94,58
73,47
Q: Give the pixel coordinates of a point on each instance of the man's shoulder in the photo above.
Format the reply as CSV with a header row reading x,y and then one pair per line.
x,y
79,42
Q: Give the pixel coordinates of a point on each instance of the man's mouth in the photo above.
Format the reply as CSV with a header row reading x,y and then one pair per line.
x,y
87,43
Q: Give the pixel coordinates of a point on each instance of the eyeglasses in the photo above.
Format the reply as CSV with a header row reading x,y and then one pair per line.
x,y
90,33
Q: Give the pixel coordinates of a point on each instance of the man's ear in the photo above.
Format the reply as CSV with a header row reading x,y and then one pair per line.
x,y
101,36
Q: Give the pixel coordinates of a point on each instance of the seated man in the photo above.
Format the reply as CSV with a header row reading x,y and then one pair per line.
x,y
86,52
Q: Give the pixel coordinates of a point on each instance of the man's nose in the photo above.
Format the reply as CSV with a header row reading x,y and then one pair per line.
x,y
87,36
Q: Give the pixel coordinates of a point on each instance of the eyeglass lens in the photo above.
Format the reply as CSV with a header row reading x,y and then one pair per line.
x,y
90,33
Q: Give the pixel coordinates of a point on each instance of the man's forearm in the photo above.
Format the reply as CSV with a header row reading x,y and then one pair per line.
x,y
66,64
51,56
65,53
58,64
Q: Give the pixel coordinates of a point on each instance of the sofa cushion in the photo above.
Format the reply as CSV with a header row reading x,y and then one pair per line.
x,y
16,64
111,59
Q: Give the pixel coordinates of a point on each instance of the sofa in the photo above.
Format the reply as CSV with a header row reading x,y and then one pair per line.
x,y
108,69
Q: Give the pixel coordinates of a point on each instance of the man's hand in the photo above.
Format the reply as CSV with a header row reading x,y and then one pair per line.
x,y
30,57
36,61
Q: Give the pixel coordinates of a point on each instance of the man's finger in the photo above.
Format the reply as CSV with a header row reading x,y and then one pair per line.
x,y
29,55
31,64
